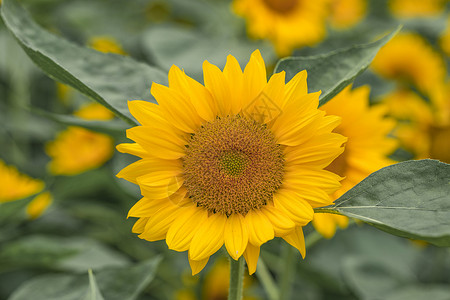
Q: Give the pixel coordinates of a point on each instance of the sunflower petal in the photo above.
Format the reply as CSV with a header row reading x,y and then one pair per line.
x,y
197,265
236,235
281,223
297,240
183,228
235,77
217,84
260,229
251,256
208,238
295,207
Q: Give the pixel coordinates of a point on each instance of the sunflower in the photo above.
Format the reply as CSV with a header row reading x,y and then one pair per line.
x,y
346,13
237,161
15,185
38,205
106,44
420,65
366,150
77,149
444,40
416,8
424,126
286,23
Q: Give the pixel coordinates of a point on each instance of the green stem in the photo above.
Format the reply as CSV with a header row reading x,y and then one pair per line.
x,y
236,279
266,280
288,272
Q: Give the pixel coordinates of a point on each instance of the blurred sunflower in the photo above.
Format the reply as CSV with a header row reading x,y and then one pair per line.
x,y
366,149
288,24
15,185
106,44
444,40
424,127
38,205
416,8
76,149
237,161
420,65
346,13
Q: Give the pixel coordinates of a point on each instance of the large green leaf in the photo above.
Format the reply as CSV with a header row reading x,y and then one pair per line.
x,y
114,283
409,199
109,79
58,253
333,71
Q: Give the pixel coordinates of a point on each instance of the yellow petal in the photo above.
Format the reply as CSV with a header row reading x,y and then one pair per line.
x,y
236,235
167,189
183,228
217,84
260,229
139,226
235,77
133,149
255,77
197,265
153,169
266,107
251,256
176,108
209,237
281,223
158,224
325,225
297,240
305,177
146,113
295,207
296,87
161,142
200,98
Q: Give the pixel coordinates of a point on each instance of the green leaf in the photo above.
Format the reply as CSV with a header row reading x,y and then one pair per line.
x,y
109,79
112,127
374,278
333,71
409,199
58,253
420,292
114,283
94,293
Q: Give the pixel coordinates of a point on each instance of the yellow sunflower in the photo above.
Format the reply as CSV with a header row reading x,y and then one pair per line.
x,y
106,44
444,40
409,59
346,13
38,205
424,127
15,185
416,8
288,24
77,149
237,161
366,150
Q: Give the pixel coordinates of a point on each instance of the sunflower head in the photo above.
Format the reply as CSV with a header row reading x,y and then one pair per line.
x,y
286,23
15,185
419,65
234,162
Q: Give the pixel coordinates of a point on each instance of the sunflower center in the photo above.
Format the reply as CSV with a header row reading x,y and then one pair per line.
x,y
232,165
281,6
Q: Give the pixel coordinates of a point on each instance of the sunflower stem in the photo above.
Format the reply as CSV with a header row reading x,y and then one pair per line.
x,y
236,279
266,279
288,274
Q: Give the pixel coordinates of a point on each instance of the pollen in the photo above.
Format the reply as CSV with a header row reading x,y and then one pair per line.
x,y
232,165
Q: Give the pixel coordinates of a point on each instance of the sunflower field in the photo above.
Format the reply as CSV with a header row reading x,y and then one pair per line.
x,y
224,149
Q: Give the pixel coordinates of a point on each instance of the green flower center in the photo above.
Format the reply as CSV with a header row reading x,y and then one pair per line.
x,y
232,165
